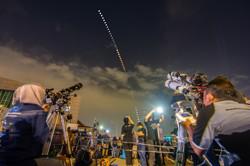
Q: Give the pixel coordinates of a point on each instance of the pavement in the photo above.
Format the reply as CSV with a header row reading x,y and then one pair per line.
x,y
121,162
117,162
114,162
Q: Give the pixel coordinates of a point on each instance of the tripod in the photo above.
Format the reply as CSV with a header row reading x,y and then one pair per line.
x,y
55,117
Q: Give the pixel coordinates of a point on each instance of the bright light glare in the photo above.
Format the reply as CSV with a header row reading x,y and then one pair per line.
x,y
107,131
101,127
159,110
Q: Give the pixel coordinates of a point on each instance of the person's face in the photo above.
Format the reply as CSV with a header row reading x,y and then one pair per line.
x,y
208,98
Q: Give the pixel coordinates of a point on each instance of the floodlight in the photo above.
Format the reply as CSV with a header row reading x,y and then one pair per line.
x,y
159,110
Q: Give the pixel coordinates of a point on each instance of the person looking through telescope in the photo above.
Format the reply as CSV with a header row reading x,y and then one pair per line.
x,y
225,117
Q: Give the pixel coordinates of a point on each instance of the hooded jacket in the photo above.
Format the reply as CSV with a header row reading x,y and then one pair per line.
x,y
24,127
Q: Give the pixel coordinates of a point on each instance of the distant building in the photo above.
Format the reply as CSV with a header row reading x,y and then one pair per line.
x,y
75,108
83,127
7,88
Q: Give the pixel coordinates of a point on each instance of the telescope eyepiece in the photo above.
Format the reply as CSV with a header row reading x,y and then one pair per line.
x,y
48,90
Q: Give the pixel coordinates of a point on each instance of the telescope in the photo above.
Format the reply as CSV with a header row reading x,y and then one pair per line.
x,y
72,88
183,82
59,114
190,86
63,96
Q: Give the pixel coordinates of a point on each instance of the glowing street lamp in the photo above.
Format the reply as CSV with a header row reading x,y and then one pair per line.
x,y
159,110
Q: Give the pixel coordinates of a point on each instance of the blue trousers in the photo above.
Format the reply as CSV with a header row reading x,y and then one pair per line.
x,y
142,153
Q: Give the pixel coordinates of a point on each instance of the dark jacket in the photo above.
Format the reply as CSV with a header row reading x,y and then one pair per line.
x,y
24,133
127,131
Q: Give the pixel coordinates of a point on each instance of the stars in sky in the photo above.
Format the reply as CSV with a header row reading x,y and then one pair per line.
x,y
66,42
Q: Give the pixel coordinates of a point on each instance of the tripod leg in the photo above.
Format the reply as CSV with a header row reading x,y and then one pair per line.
x,y
65,135
66,139
179,161
46,147
50,117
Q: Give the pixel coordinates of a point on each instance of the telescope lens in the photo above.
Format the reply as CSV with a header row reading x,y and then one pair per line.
x,y
76,87
79,86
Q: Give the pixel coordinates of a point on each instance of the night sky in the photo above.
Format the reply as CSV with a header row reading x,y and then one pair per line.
x,y
58,43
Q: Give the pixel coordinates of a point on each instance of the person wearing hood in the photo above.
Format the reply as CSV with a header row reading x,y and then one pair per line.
x,y
24,127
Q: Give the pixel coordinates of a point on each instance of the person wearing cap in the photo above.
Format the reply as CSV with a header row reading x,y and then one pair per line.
x,y
127,136
24,127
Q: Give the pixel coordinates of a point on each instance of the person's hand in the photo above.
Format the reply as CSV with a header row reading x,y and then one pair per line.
x,y
130,120
187,123
46,107
185,118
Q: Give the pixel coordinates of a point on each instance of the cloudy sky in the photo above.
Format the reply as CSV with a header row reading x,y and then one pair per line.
x,y
60,43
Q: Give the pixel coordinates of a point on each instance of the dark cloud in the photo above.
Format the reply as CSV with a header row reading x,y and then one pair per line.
x,y
182,9
107,91
12,8
67,43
